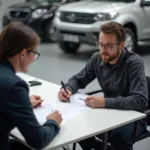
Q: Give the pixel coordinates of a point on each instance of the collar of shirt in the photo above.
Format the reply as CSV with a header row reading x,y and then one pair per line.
x,y
120,60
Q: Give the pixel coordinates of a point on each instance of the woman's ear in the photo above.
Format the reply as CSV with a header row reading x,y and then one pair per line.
x,y
23,54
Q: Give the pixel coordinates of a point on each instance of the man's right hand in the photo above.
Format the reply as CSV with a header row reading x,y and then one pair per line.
x,y
63,96
56,116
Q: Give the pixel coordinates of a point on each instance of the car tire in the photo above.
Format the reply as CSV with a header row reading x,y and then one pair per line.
x,y
130,41
50,33
69,47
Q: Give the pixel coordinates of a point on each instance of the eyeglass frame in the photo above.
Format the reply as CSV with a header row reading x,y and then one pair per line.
x,y
36,56
104,46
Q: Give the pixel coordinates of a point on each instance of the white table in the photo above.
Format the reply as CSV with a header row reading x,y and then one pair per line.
x,y
87,124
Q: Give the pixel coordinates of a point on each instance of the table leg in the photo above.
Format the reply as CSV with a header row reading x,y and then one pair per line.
x,y
74,146
66,147
104,141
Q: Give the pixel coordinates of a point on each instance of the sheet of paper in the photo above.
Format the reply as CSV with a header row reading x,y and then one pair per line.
x,y
68,110
42,112
76,104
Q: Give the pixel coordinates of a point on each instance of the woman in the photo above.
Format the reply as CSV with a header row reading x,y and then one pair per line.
x,y
18,49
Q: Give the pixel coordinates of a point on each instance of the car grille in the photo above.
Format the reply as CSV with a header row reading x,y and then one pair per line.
x,y
19,14
81,18
16,14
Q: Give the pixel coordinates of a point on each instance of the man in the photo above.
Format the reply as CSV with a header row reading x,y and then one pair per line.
x,y
122,78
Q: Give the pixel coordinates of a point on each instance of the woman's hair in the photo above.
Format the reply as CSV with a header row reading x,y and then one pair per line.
x,y
15,37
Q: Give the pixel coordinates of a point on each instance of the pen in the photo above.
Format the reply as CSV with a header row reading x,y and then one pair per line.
x,y
63,85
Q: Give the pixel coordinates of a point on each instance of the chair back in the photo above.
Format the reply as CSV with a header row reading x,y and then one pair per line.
x,y
148,86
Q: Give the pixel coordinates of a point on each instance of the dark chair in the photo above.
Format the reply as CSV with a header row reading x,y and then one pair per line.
x,y
145,134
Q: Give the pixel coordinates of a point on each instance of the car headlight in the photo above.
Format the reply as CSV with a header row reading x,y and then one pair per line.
x,y
57,14
105,16
38,13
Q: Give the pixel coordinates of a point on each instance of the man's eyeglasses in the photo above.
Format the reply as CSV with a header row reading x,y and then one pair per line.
x,y
36,54
108,46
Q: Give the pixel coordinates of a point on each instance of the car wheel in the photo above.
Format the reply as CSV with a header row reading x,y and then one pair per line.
x,y
69,47
130,41
50,33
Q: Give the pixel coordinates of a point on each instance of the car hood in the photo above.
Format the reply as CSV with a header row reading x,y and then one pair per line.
x,y
31,5
92,6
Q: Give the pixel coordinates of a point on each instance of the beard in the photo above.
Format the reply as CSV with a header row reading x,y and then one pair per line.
x,y
107,58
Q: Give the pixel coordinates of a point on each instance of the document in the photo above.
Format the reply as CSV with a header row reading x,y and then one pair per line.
x,y
68,110
42,112
76,104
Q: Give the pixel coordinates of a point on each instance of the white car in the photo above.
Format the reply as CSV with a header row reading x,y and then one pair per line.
x,y
79,22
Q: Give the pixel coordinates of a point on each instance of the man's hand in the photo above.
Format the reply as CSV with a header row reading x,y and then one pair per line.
x,y
95,101
55,116
63,96
35,100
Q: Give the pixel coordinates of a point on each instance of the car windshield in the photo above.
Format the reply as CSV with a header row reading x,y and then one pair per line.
x,y
126,1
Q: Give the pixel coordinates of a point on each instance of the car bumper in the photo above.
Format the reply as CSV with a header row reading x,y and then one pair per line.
x,y
79,33
77,37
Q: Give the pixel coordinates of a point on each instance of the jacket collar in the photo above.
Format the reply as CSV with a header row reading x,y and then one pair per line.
x,y
7,64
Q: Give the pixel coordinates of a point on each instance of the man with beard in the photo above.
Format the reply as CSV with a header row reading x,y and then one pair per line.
x,y
121,76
